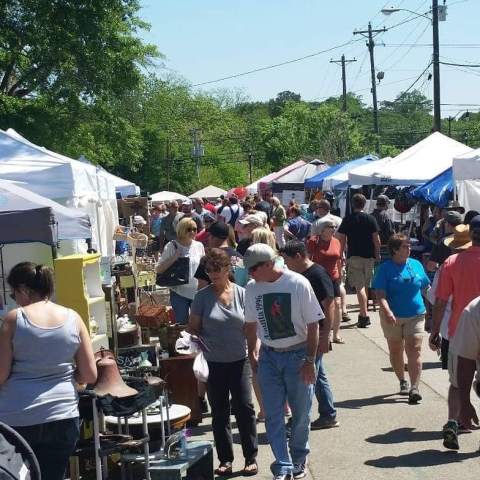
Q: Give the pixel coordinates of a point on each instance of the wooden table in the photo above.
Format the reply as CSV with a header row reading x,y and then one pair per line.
x,y
181,384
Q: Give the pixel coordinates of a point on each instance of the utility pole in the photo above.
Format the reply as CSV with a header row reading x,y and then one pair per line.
x,y
168,155
437,123
371,45
342,62
250,166
197,150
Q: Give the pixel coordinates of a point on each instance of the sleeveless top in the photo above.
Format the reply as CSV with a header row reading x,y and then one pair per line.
x,y
40,387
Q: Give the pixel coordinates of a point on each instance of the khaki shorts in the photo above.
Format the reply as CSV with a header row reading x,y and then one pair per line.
x,y
360,272
405,327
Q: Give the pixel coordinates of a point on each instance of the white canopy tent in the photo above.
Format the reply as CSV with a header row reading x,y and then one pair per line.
x,y
414,166
466,176
71,224
165,196
69,182
122,186
211,192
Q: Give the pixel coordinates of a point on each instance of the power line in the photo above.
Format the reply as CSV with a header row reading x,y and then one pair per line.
x,y
460,64
276,65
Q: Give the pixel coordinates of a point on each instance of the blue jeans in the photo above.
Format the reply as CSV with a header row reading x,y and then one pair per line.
x,y
181,307
323,392
279,380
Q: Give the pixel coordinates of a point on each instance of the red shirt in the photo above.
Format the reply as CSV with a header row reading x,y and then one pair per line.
x,y
210,207
326,254
459,278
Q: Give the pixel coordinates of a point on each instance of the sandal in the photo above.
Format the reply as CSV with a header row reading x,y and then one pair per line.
x,y
251,468
338,340
224,469
260,418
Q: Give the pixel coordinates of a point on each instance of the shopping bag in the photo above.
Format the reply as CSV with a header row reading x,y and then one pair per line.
x,y
200,368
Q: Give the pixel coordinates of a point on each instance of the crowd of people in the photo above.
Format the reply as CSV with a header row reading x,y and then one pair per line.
x,y
265,289
294,263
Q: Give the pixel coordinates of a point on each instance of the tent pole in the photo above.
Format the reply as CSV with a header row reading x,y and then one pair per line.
x,y
3,275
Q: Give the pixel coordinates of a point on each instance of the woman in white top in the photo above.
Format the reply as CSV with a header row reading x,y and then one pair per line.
x,y
181,296
44,349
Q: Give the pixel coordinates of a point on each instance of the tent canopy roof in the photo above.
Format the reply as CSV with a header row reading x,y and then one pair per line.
x,y
264,182
296,178
337,174
208,192
72,224
415,165
165,196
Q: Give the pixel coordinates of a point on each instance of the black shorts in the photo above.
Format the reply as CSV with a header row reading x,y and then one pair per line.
x,y
444,353
336,288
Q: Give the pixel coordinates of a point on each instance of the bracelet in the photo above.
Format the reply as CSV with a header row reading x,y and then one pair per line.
x,y
310,359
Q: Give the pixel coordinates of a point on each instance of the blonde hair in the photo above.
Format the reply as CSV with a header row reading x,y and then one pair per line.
x,y
275,201
183,226
264,235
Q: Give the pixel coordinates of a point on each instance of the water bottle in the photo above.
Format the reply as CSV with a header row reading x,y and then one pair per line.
x,y
183,444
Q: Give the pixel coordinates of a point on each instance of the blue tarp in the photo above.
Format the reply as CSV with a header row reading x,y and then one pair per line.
x,y
438,190
338,173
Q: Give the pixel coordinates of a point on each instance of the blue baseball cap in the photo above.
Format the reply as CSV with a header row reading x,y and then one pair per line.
x,y
475,223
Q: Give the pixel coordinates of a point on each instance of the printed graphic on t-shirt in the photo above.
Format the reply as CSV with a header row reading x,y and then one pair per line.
x,y
275,315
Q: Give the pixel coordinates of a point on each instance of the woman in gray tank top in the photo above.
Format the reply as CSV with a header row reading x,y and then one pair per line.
x,y
45,350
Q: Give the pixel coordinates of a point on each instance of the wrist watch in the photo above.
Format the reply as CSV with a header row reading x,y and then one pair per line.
x,y
310,359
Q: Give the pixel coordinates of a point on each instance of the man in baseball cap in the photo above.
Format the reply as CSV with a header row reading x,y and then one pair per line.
x,y
281,305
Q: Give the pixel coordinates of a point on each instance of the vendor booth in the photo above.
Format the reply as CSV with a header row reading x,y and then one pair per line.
x,y
466,174
414,166
69,182
210,193
291,185
336,177
263,184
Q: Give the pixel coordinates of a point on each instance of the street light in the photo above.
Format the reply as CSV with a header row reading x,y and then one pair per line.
x,y
438,13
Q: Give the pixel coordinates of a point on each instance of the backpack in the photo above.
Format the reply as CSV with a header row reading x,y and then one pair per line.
x,y
233,216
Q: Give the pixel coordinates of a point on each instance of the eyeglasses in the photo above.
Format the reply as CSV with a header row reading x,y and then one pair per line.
x,y
190,230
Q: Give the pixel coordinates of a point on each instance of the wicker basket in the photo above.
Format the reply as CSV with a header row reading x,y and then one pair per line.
x,y
137,239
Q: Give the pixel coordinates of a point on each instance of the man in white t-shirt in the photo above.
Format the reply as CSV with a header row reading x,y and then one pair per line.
x,y
463,360
281,307
232,212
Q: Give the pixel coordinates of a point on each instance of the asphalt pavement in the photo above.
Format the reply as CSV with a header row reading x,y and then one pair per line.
x,y
380,434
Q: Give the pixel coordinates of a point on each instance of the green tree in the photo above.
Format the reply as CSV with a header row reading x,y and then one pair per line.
x,y
71,49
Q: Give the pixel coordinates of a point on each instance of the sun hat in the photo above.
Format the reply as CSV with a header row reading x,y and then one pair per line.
x,y
460,240
453,218
454,205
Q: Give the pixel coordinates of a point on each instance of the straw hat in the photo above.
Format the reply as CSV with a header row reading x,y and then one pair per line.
x,y
460,240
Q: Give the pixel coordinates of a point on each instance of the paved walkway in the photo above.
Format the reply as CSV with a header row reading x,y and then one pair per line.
x,y
380,434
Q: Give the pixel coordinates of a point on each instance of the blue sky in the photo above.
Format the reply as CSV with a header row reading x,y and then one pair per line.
x,y
210,39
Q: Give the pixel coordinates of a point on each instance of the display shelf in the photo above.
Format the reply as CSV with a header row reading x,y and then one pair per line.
x,y
78,286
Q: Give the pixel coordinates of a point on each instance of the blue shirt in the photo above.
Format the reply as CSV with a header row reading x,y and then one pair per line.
x,y
403,285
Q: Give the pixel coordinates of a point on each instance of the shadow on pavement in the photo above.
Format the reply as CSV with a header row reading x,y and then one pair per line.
x,y
356,403
425,366
407,434
422,458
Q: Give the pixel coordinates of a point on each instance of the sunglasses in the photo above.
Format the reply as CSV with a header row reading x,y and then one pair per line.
x,y
190,230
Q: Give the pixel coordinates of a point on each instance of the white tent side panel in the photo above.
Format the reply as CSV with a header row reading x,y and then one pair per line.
x,y
466,173
468,192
